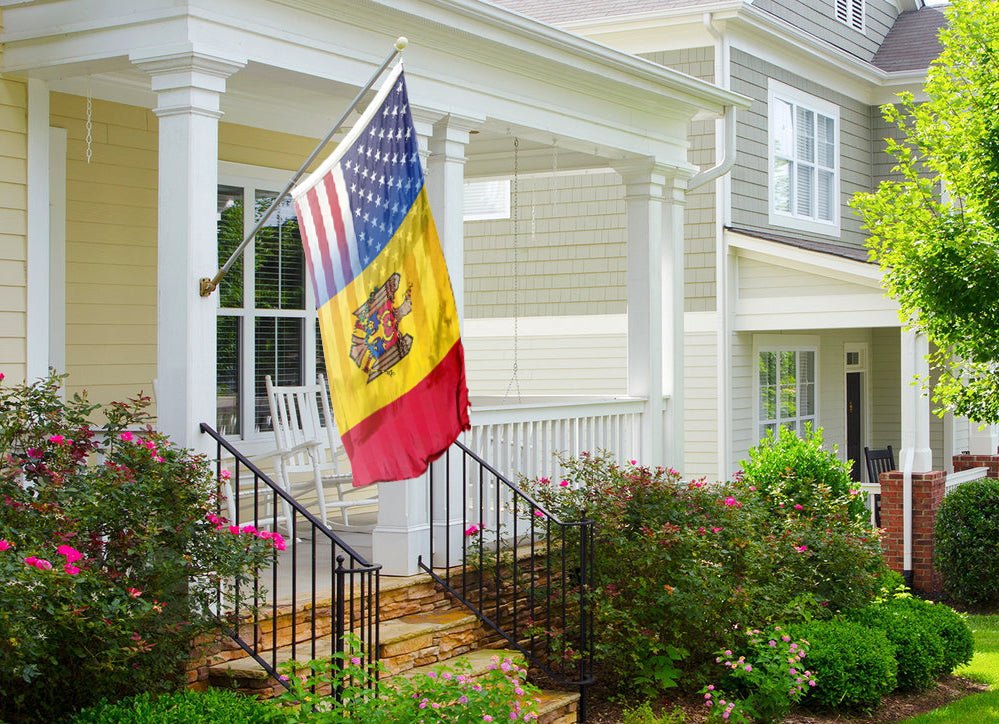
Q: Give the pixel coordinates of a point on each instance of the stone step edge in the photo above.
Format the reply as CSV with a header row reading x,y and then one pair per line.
x,y
248,668
480,660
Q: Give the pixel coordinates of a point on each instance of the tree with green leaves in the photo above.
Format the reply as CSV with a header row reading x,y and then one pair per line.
x,y
935,227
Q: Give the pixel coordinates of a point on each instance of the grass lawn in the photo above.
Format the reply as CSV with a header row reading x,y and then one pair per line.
x,y
984,668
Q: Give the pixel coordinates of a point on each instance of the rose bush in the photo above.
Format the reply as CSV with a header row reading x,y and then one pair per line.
x,y
112,553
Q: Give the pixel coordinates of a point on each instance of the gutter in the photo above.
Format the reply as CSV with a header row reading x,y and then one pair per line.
x,y
728,159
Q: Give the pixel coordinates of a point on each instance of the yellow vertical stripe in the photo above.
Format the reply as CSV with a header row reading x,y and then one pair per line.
x,y
415,254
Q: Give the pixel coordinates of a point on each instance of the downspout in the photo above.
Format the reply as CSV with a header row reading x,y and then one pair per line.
x,y
725,138
907,465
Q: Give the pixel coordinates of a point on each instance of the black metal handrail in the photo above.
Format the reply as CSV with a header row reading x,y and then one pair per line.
x,y
353,602
520,569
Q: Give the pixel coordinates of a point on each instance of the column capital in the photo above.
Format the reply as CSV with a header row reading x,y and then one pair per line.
x,y
649,178
186,80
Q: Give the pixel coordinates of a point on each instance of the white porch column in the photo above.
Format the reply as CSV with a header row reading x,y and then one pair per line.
x,y
188,86
38,354
915,454
446,188
654,194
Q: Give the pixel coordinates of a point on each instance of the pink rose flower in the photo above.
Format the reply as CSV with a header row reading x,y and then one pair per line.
x,y
70,553
133,592
4,545
472,529
801,549
56,439
563,484
43,565
126,436
225,474
71,569
799,506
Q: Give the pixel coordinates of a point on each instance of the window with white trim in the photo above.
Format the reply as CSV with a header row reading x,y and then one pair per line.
x,y
266,317
786,390
804,161
851,12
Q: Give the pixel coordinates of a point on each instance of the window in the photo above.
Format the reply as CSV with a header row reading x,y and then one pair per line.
x,y
485,200
786,389
266,318
851,12
804,161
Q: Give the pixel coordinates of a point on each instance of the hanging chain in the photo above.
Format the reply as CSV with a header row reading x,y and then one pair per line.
x,y
90,123
514,380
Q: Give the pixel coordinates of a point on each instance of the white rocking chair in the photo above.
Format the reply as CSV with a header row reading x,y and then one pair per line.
x,y
308,444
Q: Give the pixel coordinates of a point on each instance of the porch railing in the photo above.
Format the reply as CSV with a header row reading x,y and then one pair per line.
x,y
520,569
523,438
317,572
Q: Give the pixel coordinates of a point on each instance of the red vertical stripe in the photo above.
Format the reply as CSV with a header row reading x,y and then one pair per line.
x,y
401,439
321,241
300,211
341,234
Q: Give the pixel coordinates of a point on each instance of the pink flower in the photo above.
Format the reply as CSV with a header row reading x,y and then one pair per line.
x,y
30,560
563,484
801,549
34,452
730,501
157,458
234,529
71,569
70,553
472,529
4,545
42,564
752,488
355,660
2,375
715,529
799,506
225,474
486,717
56,439
278,541
539,513
133,592
632,462
264,534
126,436
248,529
544,481
749,667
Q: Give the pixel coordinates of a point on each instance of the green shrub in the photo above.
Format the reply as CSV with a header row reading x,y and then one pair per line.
x,y
953,630
109,556
919,648
214,706
789,470
680,565
967,543
854,665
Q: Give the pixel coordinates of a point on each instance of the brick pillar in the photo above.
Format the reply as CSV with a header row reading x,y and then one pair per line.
x,y
927,493
966,462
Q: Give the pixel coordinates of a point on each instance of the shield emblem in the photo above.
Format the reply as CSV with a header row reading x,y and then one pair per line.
x,y
377,344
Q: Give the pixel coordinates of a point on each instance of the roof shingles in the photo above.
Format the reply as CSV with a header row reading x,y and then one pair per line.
x,y
912,42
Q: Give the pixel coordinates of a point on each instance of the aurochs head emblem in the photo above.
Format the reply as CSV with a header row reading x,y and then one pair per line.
x,y
377,345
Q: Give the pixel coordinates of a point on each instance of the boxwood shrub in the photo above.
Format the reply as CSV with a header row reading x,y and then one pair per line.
x,y
214,706
951,627
919,647
967,543
854,665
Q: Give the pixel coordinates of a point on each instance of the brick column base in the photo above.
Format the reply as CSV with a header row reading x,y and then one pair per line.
x,y
927,493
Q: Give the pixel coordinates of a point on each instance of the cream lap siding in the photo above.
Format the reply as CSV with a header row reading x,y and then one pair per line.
x,y
818,18
571,249
744,372
759,280
700,420
13,229
110,248
886,389
554,364
750,189
700,211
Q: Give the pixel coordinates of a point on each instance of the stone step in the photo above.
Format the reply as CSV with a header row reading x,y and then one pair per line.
x,y
405,643
480,661
558,707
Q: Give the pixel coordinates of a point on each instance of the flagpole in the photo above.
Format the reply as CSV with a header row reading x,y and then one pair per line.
x,y
206,285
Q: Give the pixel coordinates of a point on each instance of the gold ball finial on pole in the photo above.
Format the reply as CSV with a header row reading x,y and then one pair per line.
x,y
401,42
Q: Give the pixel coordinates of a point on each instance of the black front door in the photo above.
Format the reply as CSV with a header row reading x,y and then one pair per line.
x,y
853,432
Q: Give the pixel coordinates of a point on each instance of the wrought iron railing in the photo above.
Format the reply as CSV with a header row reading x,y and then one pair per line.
x,y
520,569
315,591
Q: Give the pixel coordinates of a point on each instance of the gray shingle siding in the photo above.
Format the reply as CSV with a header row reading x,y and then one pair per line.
x,y
750,188
700,211
818,18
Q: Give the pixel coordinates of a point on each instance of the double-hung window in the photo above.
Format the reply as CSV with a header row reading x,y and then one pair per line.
x,y
804,161
786,389
266,317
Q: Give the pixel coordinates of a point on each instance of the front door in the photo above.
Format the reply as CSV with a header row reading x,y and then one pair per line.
x,y
853,425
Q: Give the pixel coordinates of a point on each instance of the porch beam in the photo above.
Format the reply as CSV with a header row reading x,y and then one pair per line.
x,y
188,87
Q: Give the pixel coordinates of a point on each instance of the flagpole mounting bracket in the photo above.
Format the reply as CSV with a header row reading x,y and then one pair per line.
x,y
206,286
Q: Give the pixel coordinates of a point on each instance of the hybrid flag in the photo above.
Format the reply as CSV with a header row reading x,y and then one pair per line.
x,y
386,309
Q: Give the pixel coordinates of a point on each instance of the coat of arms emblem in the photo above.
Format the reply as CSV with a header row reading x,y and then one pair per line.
x,y
376,344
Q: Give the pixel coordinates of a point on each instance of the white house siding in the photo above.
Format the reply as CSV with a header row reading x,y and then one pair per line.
x,y
13,228
881,382
700,423
571,249
886,388
759,280
555,357
699,214
819,19
750,188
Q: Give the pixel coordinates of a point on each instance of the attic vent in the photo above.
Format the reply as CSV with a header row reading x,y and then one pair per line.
x,y
851,12
487,200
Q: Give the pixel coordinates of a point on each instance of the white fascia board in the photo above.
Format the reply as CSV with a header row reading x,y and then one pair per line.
x,y
825,319
805,260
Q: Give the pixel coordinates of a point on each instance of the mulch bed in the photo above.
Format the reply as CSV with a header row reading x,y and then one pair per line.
x,y
895,707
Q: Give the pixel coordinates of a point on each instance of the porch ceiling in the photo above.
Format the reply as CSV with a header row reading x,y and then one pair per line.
x,y
304,60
